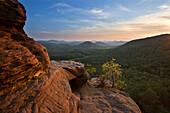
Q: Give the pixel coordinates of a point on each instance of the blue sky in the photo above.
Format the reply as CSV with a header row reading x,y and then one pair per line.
x,y
96,19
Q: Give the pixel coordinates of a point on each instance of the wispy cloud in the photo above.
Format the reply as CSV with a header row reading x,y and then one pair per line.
x,y
37,15
46,32
63,20
145,25
73,26
95,11
164,7
99,23
141,1
98,13
60,5
123,8
68,8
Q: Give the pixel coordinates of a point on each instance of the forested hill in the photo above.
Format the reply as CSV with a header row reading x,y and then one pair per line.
x,y
87,45
69,52
158,42
146,67
150,54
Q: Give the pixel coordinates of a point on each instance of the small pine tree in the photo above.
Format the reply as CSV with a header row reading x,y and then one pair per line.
x,y
112,71
91,71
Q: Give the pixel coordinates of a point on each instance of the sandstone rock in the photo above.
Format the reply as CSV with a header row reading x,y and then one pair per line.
x,y
21,58
12,14
102,100
49,92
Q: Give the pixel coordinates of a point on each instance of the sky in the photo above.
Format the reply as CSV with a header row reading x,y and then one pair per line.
x,y
100,20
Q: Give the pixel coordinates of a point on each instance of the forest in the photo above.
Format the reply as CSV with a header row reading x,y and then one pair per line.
x,y
145,65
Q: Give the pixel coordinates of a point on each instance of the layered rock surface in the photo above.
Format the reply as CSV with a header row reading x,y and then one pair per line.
x,y
105,100
49,92
21,58
28,84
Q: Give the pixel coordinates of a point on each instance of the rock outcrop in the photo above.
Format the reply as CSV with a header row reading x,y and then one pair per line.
x,y
29,83
21,58
49,92
105,100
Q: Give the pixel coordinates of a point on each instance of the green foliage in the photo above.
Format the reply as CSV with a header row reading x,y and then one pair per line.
x,y
112,71
91,71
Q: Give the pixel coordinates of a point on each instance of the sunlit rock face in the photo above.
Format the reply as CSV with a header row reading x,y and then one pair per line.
x,y
21,58
49,92
12,13
96,99
29,83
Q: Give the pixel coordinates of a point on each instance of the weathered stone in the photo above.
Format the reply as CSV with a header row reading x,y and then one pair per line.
x,y
49,92
21,58
101,100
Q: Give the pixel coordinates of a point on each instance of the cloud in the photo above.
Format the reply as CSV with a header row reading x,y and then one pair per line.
x,y
166,17
145,25
37,15
46,32
98,13
73,26
63,20
124,8
61,5
164,7
97,28
150,22
95,11
142,26
141,1
69,7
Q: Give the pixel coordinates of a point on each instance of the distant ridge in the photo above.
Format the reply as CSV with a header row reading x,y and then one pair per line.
x,y
154,41
144,51
101,44
89,45
60,42
108,44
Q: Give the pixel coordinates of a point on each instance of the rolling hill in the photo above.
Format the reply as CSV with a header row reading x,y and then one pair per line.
x,y
67,52
152,52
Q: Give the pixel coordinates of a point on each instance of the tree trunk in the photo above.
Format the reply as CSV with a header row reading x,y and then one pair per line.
x,y
113,84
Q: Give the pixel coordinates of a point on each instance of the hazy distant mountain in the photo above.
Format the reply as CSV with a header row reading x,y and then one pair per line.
x,y
102,44
61,42
107,44
115,43
88,45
